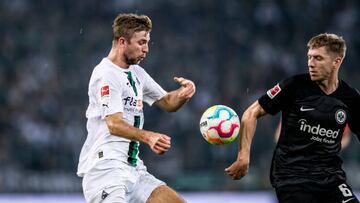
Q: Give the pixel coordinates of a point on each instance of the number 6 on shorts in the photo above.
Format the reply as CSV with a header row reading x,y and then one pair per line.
x,y
345,191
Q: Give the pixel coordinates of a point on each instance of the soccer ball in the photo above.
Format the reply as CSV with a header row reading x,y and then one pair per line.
x,y
219,124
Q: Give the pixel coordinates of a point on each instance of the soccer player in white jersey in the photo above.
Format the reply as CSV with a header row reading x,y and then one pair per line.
x,y
109,163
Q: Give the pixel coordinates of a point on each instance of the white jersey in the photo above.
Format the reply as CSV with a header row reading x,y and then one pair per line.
x,y
111,90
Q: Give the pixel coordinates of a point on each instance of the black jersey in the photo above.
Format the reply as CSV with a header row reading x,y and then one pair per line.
x,y
312,126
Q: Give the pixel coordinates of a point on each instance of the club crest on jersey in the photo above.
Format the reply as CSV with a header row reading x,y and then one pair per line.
x,y
340,116
274,91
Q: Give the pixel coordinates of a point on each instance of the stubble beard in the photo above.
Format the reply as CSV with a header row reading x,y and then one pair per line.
x,y
131,60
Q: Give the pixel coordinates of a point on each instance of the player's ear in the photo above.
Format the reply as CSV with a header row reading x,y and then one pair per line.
x,y
337,61
121,41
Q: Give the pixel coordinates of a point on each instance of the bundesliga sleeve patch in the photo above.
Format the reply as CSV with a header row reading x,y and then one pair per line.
x,y
105,95
105,91
274,91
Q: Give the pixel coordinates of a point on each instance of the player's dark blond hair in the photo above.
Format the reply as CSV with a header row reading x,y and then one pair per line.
x,y
333,44
125,25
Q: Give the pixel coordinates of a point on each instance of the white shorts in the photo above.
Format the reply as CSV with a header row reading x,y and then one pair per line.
x,y
113,181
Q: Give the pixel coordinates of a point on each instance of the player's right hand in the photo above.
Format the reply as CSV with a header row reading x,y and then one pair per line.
x,y
238,169
187,89
159,143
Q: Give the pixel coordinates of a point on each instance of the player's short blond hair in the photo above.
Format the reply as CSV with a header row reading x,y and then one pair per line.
x,y
333,43
125,25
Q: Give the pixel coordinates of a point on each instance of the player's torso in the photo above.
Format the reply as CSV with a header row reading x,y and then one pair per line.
x,y
132,98
314,122
128,91
310,141
131,91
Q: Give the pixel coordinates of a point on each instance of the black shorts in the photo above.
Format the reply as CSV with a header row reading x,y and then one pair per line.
x,y
341,193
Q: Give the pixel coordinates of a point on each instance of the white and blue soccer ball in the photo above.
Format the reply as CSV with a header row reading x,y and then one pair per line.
x,y
219,125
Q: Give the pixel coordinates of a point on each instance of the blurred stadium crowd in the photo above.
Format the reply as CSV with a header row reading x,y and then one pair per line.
x,y
233,50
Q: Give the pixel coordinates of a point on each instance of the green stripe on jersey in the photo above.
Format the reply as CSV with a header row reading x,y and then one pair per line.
x,y
132,83
134,145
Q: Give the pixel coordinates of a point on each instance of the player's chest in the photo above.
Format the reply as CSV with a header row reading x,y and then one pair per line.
x,y
132,91
319,111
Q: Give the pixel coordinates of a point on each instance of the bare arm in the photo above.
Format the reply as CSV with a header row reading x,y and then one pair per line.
x,y
345,140
173,100
159,143
247,130
277,132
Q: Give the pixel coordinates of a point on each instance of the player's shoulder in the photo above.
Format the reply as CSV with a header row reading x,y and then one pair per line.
x,y
138,69
101,68
107,71
299,78
107,68
296,80
348,89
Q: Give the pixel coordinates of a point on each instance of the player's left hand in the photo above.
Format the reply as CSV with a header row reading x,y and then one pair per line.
x,y
159,143
238,169
187,89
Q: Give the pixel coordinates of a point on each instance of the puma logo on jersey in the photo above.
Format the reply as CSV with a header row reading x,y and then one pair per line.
x,y
302,108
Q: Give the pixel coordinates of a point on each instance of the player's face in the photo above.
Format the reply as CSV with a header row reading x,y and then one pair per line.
x,y
137,48
320,63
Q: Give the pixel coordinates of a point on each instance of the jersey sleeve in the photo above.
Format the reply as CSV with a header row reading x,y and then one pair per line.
x,y
276,98
355,116
110,94
152,91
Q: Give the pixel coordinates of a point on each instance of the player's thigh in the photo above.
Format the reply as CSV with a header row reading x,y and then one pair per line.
x,y
165,194
341,193
145,184
109,195
116,195
294,195
101,181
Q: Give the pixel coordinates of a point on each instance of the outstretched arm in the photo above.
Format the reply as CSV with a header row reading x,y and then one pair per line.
x,y
345,140
247,130
159,143
173,100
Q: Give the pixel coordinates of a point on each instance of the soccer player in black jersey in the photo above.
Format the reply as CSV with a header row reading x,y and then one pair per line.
x,y
306,166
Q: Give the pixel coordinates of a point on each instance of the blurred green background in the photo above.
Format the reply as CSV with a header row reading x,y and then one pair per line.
x,y
234,50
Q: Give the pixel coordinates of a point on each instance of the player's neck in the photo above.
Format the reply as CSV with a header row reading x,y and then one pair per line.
x,y
114,57
329,86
